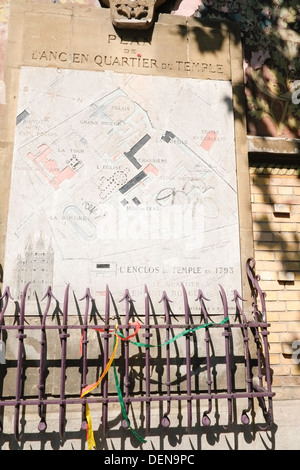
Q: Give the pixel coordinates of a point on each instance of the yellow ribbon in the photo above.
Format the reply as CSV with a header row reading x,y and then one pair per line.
x,y
89,429
89,388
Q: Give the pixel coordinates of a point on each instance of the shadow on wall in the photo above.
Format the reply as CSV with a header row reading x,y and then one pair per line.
x,y
270,34
277,232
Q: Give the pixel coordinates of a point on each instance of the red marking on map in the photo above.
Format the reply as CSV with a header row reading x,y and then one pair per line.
x,y
101,292
209,140
49,168
116,156
151,169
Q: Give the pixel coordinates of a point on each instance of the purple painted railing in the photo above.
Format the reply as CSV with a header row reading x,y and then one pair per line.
x,y
255,329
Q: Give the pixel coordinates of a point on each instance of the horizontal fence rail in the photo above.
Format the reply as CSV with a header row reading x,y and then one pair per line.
x,y
140,335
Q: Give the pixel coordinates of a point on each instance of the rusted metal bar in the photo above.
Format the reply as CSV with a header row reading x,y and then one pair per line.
x,y
19,379
106,335
5,297
128,305
245,418
63,336
205,418
188,357
269,410
166,304
41,385
84,342
251,324
257,294
147,336
137,399
227,334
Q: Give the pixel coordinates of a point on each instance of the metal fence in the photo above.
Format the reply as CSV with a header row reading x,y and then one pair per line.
x,y
146,327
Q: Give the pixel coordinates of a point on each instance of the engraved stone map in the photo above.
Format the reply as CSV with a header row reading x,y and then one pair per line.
x,y
124,180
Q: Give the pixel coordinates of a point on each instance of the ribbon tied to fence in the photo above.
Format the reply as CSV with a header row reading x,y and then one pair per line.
x,y
119,336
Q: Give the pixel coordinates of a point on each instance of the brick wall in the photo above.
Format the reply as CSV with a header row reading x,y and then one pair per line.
x,y
275,196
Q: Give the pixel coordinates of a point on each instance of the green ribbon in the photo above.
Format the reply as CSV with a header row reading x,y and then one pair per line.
x,y
122,404
176,337
140,345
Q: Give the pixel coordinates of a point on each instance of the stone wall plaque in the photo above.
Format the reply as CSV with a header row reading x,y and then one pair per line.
x,y
124,157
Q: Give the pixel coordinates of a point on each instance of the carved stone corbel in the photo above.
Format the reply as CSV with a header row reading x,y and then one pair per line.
x,y
132,14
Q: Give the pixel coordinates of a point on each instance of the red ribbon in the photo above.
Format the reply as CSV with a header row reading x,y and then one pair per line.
x,y
123,338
